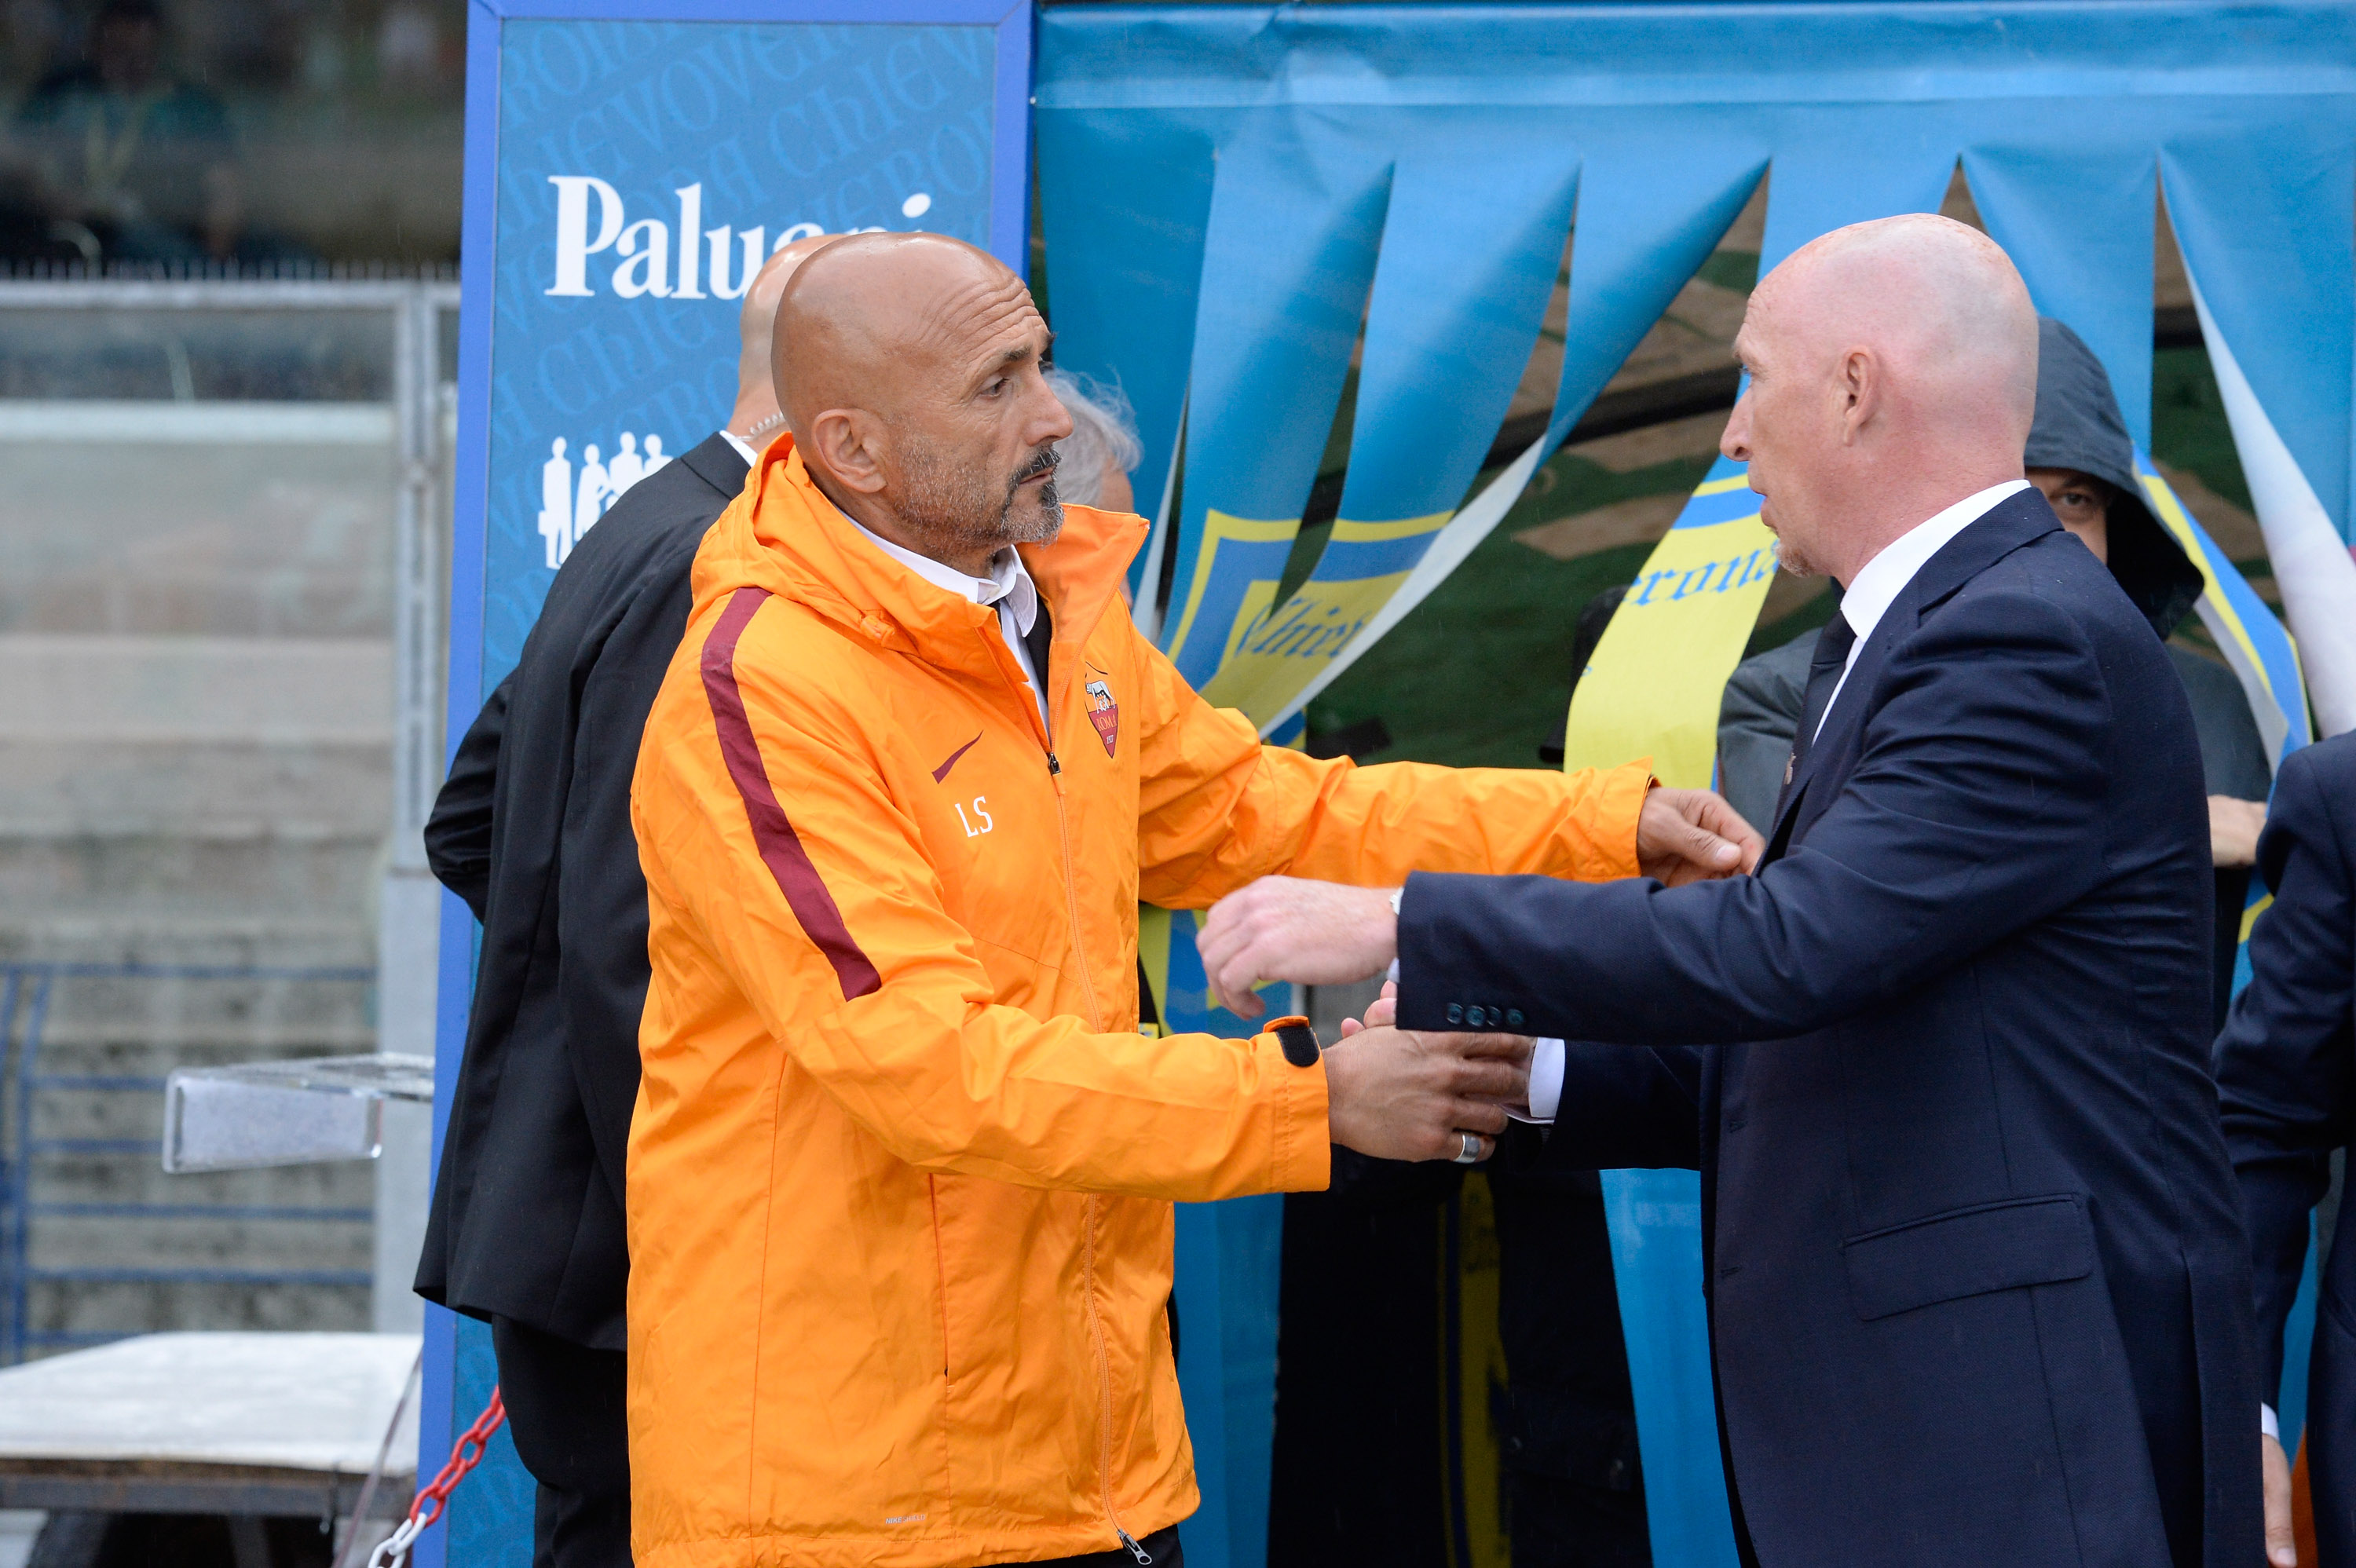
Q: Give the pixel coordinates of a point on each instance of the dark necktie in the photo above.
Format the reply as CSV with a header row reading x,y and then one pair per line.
x,y
1038,641
1825,672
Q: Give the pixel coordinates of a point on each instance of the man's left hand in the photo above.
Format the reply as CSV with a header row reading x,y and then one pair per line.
x,y
1286,928
1692,835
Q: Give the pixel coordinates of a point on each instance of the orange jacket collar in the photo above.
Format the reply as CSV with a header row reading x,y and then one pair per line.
x,y
782,534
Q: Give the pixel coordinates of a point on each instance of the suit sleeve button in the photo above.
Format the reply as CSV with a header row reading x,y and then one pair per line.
x,y
1513,1017
1456,1012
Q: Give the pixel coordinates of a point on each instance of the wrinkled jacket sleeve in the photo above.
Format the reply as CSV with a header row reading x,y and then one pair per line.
x,y
458,832
841,941
2287,1060
1932,852
1217,809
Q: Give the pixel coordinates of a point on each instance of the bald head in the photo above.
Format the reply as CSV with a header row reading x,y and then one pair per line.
x,y
912,367
1893,370
845,326
756,397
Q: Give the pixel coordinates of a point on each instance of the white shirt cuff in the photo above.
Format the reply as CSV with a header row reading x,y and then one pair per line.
x,y
2269,1423
1392,972
1547,1062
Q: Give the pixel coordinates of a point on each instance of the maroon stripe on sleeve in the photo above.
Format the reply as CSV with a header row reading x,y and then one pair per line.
x,y
780,846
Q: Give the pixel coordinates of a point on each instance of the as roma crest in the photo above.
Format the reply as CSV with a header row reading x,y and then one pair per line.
x,y
1104,713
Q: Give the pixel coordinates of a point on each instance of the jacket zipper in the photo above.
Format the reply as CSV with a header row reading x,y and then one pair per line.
x,y
1089,1207
1104,1384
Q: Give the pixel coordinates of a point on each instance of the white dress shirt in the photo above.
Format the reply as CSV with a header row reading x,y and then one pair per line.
x,y
1880,581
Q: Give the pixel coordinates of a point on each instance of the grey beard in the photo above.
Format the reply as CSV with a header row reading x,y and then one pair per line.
x,y
960,512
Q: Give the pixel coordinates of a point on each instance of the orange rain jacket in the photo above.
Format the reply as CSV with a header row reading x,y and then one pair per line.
x,y
901,1170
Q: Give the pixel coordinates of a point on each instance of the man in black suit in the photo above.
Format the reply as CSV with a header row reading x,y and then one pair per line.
x,y
1979,1291
2286,1075
532,830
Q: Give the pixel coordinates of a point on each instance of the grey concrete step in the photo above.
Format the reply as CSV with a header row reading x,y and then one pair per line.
x,y
113,1310
190,937
85,1179
53,786
217,874
223,537
182,1242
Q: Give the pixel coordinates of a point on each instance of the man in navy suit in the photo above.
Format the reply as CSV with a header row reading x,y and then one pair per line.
x,y
2286,1073
1979,1291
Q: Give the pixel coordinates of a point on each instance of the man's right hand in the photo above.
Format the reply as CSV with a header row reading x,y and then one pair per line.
x,y
1398,1094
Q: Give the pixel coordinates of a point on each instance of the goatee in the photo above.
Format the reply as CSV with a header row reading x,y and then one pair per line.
x,y
961,512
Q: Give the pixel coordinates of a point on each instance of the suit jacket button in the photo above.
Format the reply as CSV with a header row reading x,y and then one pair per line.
x,y
1456,1012
1513,1017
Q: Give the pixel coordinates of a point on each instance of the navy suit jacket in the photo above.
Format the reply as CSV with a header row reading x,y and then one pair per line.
x,y
2286,1073
1978,1290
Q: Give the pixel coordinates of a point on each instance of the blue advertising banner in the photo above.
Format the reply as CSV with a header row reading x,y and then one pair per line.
x,y
630,164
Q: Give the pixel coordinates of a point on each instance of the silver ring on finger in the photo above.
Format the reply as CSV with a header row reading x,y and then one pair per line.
x,y
1470,1153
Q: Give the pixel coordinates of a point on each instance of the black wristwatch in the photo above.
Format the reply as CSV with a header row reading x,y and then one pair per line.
x,y
1299,1041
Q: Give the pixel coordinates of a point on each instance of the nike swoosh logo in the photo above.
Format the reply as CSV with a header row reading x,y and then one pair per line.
x,y
941,774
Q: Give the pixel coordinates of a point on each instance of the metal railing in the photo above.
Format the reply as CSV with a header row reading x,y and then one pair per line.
x,y
28,992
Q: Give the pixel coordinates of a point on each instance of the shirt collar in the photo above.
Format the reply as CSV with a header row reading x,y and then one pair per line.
x,y
1880,581
743,449
1009,580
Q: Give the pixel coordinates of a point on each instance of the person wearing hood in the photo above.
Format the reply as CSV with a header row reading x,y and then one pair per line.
x,y
2080,456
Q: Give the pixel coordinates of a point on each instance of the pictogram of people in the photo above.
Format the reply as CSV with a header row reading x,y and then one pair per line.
x,y
627,467
567,510
590,499
556,504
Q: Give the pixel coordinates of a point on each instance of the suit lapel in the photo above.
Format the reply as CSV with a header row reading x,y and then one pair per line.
x,y
1827,761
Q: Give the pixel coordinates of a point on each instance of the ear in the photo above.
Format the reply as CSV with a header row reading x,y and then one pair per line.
x,y
845,443
1858,381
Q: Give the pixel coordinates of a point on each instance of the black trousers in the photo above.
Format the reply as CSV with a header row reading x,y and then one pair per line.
x,y
1162,1546
567,1413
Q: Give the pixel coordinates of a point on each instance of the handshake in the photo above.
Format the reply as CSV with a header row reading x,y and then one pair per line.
x,y
1400,1094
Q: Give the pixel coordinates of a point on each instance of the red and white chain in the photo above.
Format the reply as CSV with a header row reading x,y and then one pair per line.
x,y
392,1552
